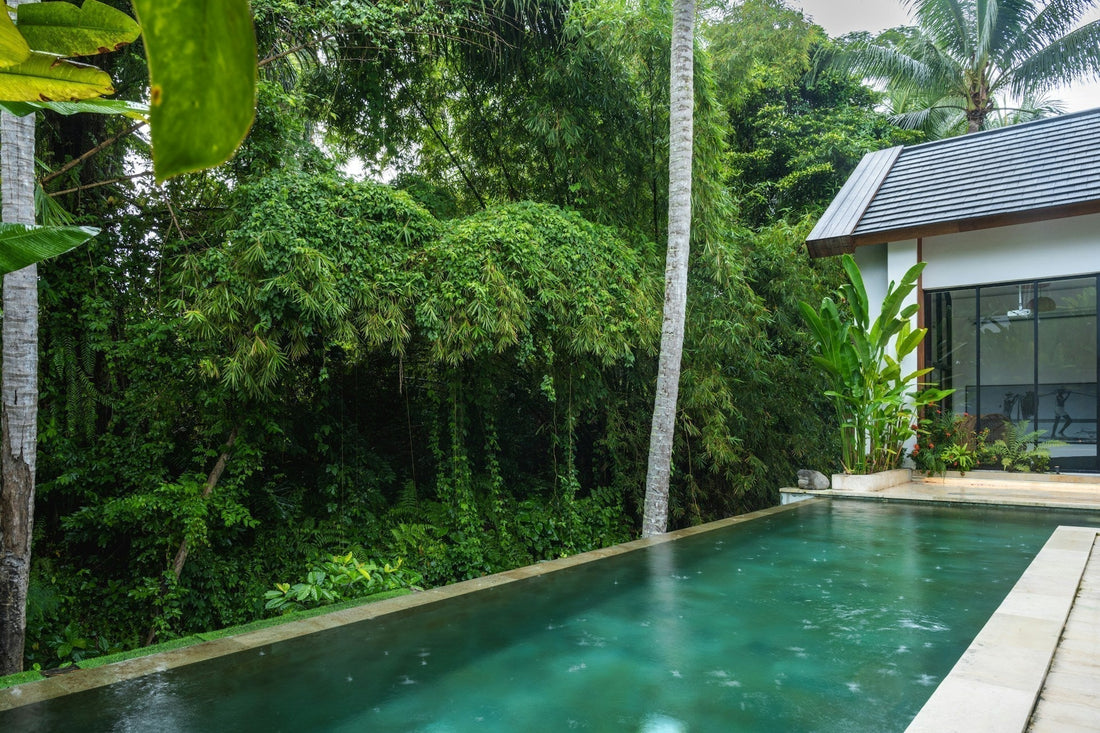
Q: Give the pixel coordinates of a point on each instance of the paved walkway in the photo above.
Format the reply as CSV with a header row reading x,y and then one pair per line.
x,y
1036,665
979,487
1070,700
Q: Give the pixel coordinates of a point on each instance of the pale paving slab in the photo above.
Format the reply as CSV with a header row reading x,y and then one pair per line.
x,y
995,685
1070,699
1055,491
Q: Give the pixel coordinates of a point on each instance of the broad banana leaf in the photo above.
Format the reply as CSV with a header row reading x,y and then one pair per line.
x,y
46,78
66,30
22,245
13,47
133,110
202,76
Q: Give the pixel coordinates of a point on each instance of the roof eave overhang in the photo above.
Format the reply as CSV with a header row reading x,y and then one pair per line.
x,y
833,232
847,244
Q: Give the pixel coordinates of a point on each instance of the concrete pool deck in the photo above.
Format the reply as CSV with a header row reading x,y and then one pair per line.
x,y
1035,666
1061,491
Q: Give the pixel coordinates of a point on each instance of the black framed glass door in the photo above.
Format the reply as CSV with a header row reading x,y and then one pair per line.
x,y
1023,353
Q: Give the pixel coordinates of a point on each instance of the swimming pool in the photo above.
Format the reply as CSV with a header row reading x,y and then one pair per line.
x,y
831,616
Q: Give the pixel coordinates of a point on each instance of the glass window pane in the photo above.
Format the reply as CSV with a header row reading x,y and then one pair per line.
x,y
1007,364
1067,370
952,347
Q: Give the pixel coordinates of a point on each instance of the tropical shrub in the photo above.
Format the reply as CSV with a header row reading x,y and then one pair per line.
x,y
340,578
960,457
874,400
1020,449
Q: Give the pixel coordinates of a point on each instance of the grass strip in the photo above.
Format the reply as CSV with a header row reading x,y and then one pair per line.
x,y
19,678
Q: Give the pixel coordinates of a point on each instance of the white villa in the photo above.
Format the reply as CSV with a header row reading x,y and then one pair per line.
x,y
1009,223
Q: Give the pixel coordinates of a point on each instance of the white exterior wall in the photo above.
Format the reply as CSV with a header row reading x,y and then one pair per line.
x,y
902,256
880,265
1049,249
875,268
1057,248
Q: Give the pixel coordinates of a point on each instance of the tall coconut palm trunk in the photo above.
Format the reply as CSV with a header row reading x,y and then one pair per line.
x,y
18,394
681,121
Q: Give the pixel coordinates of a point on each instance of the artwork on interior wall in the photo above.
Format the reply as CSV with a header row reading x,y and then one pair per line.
x,y
1065,411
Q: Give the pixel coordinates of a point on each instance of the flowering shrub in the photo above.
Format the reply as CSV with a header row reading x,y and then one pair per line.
x,y
946,441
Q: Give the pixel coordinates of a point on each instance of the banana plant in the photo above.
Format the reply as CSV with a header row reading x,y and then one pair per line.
x,y
875,401
202,71
202,67
22,245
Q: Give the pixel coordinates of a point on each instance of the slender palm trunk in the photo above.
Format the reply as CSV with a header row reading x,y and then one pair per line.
x,y
681,120
19,395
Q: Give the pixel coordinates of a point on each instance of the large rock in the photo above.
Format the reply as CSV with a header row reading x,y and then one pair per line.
x,y
812,480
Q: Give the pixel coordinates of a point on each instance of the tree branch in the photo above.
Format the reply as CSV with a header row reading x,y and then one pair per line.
x,y
102,183
77,161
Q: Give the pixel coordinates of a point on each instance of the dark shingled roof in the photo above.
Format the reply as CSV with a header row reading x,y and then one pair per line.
x,y
1040,170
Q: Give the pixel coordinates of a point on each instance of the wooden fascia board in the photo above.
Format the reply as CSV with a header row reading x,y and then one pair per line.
x,y
970,225
830,247
841,218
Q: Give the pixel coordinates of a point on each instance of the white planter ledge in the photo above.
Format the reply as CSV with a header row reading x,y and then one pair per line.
x,y
871,482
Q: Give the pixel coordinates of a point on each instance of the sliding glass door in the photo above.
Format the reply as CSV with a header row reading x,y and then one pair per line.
x,y
1022,353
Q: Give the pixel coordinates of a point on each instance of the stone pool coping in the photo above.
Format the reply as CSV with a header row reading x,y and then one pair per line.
x,y
87,679
996,684
1049,491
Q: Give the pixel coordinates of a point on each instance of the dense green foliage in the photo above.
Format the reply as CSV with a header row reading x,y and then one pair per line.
x,y
455,369
340,578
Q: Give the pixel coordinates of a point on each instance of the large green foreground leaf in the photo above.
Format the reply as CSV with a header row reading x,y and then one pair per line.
x,y
133,110
202,75
66,30
47,78
13,47
22,245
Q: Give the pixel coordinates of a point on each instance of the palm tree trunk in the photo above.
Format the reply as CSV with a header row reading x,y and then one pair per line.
x,y
18,394
681,121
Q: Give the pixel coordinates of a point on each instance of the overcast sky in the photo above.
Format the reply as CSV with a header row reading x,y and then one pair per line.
x,y
838,17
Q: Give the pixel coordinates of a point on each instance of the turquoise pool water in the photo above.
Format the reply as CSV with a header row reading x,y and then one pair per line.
x,y
838,616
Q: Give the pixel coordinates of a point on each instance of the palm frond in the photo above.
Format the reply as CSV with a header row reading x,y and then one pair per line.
x,y
1008,22
890,67
985,27
938,121
1053,21
1057,18
943,73
1073,57
948,22
1029,110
